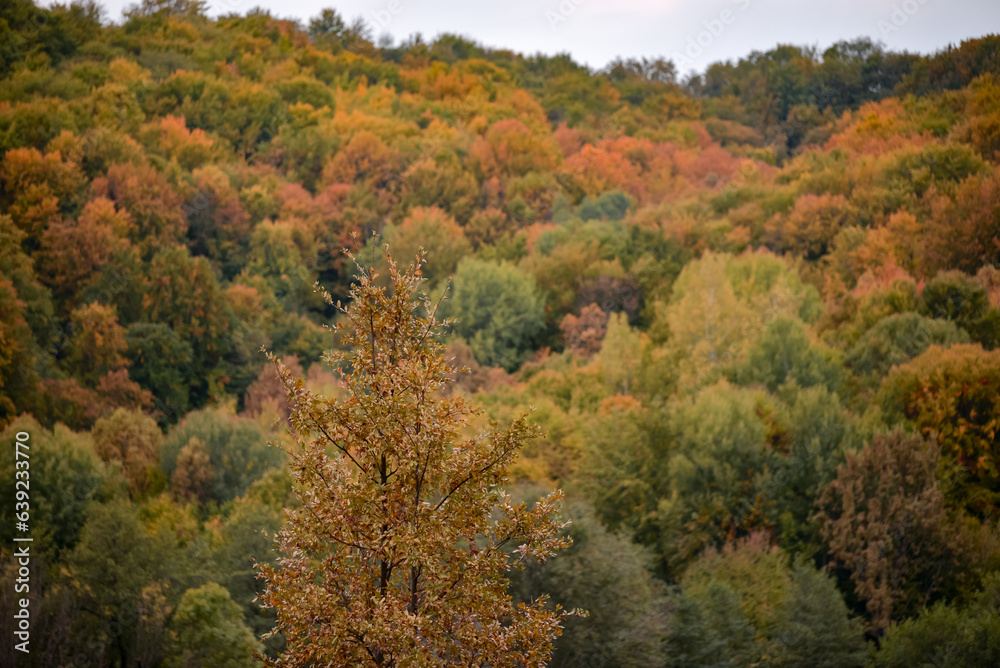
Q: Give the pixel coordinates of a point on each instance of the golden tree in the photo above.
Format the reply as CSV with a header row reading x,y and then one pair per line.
x,y
399,553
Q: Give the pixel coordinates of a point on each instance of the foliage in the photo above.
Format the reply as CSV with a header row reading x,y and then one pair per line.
x,y
132,441
608,574
208,630
897,339
497,310
885,520
717,470
401,523
237,450
952,394
714,290
785,355
946,635
66,477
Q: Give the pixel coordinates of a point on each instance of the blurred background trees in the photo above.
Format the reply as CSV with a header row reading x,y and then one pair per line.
x,y
756,310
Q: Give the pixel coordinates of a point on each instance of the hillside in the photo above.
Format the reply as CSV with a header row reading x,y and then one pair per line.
x,y
755,310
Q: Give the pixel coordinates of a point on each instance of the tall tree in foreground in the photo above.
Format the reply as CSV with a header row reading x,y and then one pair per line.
x,y
399,553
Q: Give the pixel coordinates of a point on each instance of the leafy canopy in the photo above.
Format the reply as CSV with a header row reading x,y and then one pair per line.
x,y
396,556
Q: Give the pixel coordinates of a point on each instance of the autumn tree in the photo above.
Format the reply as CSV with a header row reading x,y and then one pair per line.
x,y
193,476
885,520
396,556
809,228
434,231
224,453
132,440
584,333
98,344
953,395
16,360
267,393
72,252
153,206
218,227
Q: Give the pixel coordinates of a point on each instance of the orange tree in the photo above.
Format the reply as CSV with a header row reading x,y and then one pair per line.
x,y
399,553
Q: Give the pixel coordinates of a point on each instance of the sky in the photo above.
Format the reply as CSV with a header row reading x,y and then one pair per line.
x,y
692,33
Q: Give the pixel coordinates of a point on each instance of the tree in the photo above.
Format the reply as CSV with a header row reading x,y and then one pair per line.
x,y
365,159
98,344
193,476
183,293
953,395
266,395
795,615
947,636
885,520
246,536
208,630
496,309
329,24
35,187
608,573
810,227
120,576
434,231
509,148
72,252
954,296
66,477
813,627
785,354
17,364
217,225
583,334
897,339
160,361
284,253
237,451
753,569
621,354
721,305
710,631
153,206
133,441
18,267
394,557
718,467
819,432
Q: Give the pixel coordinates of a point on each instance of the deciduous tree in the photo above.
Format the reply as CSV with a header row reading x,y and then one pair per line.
x,y
885,520
497,309
395,557
133,441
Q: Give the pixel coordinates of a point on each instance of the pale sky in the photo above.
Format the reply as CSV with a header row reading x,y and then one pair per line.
x,y
693,33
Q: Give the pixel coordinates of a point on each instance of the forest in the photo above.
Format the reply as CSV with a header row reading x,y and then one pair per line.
x,y
754,313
